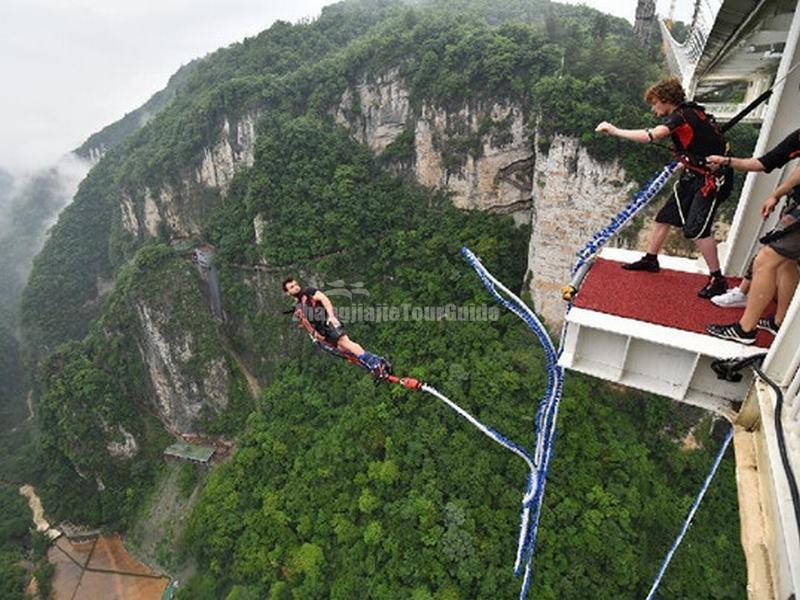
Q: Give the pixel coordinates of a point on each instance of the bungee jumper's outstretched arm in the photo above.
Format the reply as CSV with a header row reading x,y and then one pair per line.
x,y
642,136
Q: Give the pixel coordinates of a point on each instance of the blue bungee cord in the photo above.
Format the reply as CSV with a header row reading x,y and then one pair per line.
x,y
691,514
546,418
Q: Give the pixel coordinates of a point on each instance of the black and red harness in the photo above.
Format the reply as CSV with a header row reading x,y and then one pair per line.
x,y
695,118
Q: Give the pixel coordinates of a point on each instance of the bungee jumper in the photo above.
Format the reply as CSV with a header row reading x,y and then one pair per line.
x,y
702,185
315,312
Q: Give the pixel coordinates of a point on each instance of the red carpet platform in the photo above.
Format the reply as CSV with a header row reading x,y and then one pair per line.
x,y
666,298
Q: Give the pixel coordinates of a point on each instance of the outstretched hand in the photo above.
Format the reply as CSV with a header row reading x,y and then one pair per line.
x,y
717,160
605,127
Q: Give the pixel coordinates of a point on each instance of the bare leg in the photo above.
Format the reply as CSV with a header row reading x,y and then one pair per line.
x,y
348,345
788,277
744,286
658,234
762,290
708,248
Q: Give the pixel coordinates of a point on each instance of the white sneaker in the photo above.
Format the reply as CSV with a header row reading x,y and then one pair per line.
x,y
733,298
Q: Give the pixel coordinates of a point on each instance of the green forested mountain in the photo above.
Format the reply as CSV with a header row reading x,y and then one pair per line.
x,y
26,214
13,531
448,54
338,488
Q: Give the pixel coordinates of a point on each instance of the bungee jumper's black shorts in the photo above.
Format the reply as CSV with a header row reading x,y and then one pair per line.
x,y
694,201
331,334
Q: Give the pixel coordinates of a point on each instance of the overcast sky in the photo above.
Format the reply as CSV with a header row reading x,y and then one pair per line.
x,y
70,67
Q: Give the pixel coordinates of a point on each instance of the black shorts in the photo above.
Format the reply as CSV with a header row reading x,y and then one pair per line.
x,y
694,203
331,334
787,245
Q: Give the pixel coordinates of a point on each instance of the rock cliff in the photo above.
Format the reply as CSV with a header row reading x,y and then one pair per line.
x,y
486,158
177,210
573,196
480,154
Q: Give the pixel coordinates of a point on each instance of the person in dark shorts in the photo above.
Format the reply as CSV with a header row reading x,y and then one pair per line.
x,y
316,309
775,265
700,188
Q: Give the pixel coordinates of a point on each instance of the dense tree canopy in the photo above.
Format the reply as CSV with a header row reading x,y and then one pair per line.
x,y
14,528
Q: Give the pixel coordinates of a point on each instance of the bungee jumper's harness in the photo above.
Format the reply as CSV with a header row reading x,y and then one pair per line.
x,y
713,179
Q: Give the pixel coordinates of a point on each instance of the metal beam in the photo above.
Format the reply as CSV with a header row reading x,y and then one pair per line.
x,y
735,36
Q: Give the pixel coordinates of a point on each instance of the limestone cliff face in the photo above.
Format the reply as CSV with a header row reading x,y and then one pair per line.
x,y
485,156
376,111
161,312
185,380
146,211
573,196
178,340
178,210
481,154
233,149
494,175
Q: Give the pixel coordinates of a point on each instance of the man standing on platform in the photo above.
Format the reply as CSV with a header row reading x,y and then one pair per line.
x,y
701,186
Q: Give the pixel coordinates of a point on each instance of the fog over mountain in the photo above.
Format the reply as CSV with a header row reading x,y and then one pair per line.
x,y
29,206
78,66
6,181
